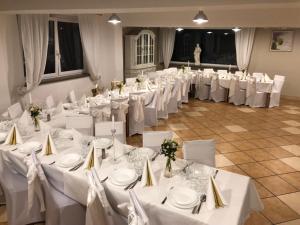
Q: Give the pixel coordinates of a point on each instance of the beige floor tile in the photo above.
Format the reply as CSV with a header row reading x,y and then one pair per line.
x,y
177,126
292,111
292,200
292,123
278,212
262,191
222,161
226,147
257,219
294,149
193,114
186,134
292,222
261,143
231,137
277,166
291,106
200,109
244,145
292,130
203,131
278,152
234,169
235,128
260,155
3,217
292,178
239,157
246,110
276,185
256,170
292,162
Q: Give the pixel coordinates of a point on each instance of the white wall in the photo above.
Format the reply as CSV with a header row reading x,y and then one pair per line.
x,y
11,64
281,63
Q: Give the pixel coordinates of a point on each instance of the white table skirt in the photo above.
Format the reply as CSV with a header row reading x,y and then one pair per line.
x,y
239,191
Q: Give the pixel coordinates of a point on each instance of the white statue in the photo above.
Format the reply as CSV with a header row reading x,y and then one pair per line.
x,y
197,53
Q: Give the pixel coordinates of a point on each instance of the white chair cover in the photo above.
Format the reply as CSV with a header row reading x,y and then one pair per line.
x,y
254,98
82,123
151,110
203,90
154,139
175,97
258,76
200,151
186,90
222,72
101,112
237,96
239,73
217,93
72,97
208,71
119,110
276,90
136,114
15,110
103,129
137,215
50,102
163,112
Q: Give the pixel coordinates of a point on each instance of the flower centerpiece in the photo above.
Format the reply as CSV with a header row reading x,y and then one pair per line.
x,y
95,91
35,111
168,149
120,86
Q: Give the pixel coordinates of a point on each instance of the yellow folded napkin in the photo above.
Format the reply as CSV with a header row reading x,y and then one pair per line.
x,y
148,178
13,136
48,146
92,160
215,198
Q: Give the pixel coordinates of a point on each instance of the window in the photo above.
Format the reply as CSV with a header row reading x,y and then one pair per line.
x,y
145,48
64,56
218,46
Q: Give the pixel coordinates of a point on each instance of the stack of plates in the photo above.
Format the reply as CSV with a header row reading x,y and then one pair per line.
x,y
30,146
2,136
68,160
101,143
183,198
123,177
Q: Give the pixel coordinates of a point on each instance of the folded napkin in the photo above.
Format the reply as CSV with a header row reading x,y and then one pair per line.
x,y
92,160
148,178
215,198
59,108
48,146
137,215
13,136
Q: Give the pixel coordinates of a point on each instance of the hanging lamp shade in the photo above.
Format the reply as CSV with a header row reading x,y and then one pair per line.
x,y
114,19
200,18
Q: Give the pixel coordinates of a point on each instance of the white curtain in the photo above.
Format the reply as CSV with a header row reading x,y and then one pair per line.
x,y
167,40
35,34
89,26
243,43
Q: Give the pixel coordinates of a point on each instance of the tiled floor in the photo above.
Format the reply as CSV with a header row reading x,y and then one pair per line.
x,y
261,143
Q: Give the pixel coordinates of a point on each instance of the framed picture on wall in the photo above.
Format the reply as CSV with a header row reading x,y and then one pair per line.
x,y
282,41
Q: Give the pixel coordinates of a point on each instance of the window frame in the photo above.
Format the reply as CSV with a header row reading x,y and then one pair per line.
x,y
58,73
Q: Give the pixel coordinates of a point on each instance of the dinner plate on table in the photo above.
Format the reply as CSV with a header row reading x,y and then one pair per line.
x,y
147,152
3,136
101,143
68,160
30,146
123,177
183,197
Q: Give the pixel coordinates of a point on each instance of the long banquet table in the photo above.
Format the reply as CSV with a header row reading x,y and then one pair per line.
x,y
239,191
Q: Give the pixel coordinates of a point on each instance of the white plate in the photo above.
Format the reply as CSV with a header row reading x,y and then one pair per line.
x,y
68,160
101,143
28,147
2,136
123,177
183,198
146,152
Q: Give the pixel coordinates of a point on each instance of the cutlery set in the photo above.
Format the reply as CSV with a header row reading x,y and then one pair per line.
x,y
76,167
132,185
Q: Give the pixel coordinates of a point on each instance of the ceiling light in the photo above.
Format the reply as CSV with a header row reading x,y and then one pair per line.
x,y
179,29
200,18
236,29
114,19
209,32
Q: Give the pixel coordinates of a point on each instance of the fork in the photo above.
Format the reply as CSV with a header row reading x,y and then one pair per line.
x,y
76,167
197,208
133,183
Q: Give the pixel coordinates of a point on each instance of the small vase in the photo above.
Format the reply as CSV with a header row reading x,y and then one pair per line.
x,y
36,124
120,91
168,169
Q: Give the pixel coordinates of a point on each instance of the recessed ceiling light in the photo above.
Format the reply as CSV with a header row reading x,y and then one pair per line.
x,y
114,19
179,29
236,29
209,32
225,33
200,18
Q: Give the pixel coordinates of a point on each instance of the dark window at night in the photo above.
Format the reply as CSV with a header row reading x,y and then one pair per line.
x,y
218,46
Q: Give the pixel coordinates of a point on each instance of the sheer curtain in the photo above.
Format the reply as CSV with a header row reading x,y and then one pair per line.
x,y
243,43
89,26
167,40
35,34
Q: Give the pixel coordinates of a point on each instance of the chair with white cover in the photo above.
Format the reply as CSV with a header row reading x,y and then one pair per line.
x,y
258,76
103,129
276,90
15,188
82,123
222,72
217,93
207,71
200,151
150,111
239,73
186,90
154,139
50,102
137,214
136,114
237,96
60,209
72,96
202,89
253,97
15,110
163,111
119,109
175,97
